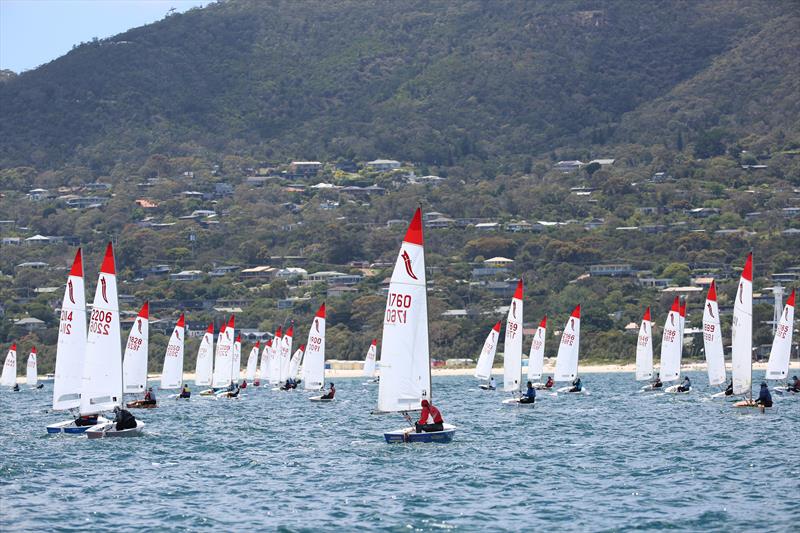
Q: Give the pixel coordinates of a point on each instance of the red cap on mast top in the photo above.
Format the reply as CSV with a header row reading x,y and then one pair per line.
x,y
290,331
77,265
181,321
108,261
375,341
258,344
33,349
13,347
646,314
518,292
747,273
676,305
279,332
414,232
577,312
682,311
497,326
543,323
231,321
790,301
712,292
210,328
239,337
302,347
321,311
144,312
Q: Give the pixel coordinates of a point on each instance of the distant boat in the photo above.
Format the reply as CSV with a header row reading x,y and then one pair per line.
x,y
274,357
314,360
536,357
223,361
102,369
742,337
781,352
70,352
569,351
9,376
294,364
644,351
263,367
712,339
405,358
252,363
370,361
671,346
512,346
134,362
236,360
483,370
172,372
204,367
31,376
285,354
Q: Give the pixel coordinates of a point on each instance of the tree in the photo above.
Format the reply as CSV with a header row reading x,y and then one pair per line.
x,y
593,167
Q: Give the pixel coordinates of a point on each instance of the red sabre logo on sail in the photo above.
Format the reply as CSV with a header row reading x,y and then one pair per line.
x,y
316,325
139,325
572,324
407,262
672,319
740,292
103,287
710,311
177,334
644,325
513,308
69,286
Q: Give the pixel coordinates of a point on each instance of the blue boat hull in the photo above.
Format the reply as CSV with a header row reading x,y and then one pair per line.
x,y
408,435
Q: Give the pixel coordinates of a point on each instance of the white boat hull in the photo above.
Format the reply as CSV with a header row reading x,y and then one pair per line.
x,y
109,429
566,390
517,403
321,399
674,390
69,427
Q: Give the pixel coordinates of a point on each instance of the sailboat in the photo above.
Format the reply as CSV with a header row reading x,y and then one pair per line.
x,y
252,364
274,358
483,370
286,354
781,352
31,376
742,337
134,362
405,358
219,376
314,362
102,369
9,376
294,364
370,362
172,371
204,366
70,352
263,367
568,352
644,350
712,340
536,356
671,346
512,348
236,361
223,366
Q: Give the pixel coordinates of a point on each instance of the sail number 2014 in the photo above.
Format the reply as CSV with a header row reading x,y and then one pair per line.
x,y
100,321
397,308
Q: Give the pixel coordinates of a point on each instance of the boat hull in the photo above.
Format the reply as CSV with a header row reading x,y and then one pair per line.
x,y
207,392
109,429
140,404
408,435
566,390
320,399
517,403
69,427
674,390
486,387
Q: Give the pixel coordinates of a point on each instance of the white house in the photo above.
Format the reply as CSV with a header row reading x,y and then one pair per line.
x,y
382,165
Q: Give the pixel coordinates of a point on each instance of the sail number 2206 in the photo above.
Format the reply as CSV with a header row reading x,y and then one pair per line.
x,y
100,321
397,308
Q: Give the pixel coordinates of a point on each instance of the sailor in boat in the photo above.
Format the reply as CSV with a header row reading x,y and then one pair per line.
x,y
16,387
729,389
124,419
492,383
149,397
577,386
686,386
430,419
40,386
656,384
550,383
331,393
244,384
795,386
185,392
764,397
290,384
530,394
232,387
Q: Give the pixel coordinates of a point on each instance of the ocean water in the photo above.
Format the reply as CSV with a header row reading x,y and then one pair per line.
x,y
615,460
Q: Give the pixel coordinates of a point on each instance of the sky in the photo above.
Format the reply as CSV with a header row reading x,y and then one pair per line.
x,y
34,32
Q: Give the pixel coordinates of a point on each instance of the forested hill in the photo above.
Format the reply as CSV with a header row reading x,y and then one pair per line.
x,y
432,82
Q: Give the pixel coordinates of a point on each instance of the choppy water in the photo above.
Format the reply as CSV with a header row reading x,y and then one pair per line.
x,y
614,460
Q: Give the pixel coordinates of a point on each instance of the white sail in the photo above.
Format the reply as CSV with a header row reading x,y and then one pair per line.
x,y
9,376
569,348
236,362
172,373
274,357
71,341
252,363
204,367
671,344
369,360
779,355
742,332
265,361
314,360
294,364
31,376
405,358
644,349
134,361
483,370
286,354
712,339
102,369
224,357
536,357
512,347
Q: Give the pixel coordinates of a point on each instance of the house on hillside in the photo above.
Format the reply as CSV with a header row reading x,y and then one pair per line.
x,y
29,324
383,165
612,270
37,195
186,275
259,272
305,168
569,166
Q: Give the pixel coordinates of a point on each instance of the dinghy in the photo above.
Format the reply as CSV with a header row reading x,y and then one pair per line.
x,y
483,370
536,357
172,371
671,346
31,377
568,353
9,376
644,351
264,364
286,354
314,362
134,362
405,358
224,363
294,364
236,361
204,366
252,364
274,358
781,352
712,341
70,352
102,368
370,362
512,349
742,337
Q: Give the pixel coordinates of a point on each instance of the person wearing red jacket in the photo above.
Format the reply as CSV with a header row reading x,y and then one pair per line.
x,y
429,412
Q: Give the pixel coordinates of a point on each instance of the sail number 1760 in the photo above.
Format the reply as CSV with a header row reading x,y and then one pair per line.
x,y
397,308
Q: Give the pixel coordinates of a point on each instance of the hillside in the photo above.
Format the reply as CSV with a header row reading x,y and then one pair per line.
x,y
440,83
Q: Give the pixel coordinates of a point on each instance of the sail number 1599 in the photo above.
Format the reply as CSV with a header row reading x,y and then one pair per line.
x,y
397,308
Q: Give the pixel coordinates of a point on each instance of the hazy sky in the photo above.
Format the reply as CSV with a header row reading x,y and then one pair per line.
x,y
34,32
